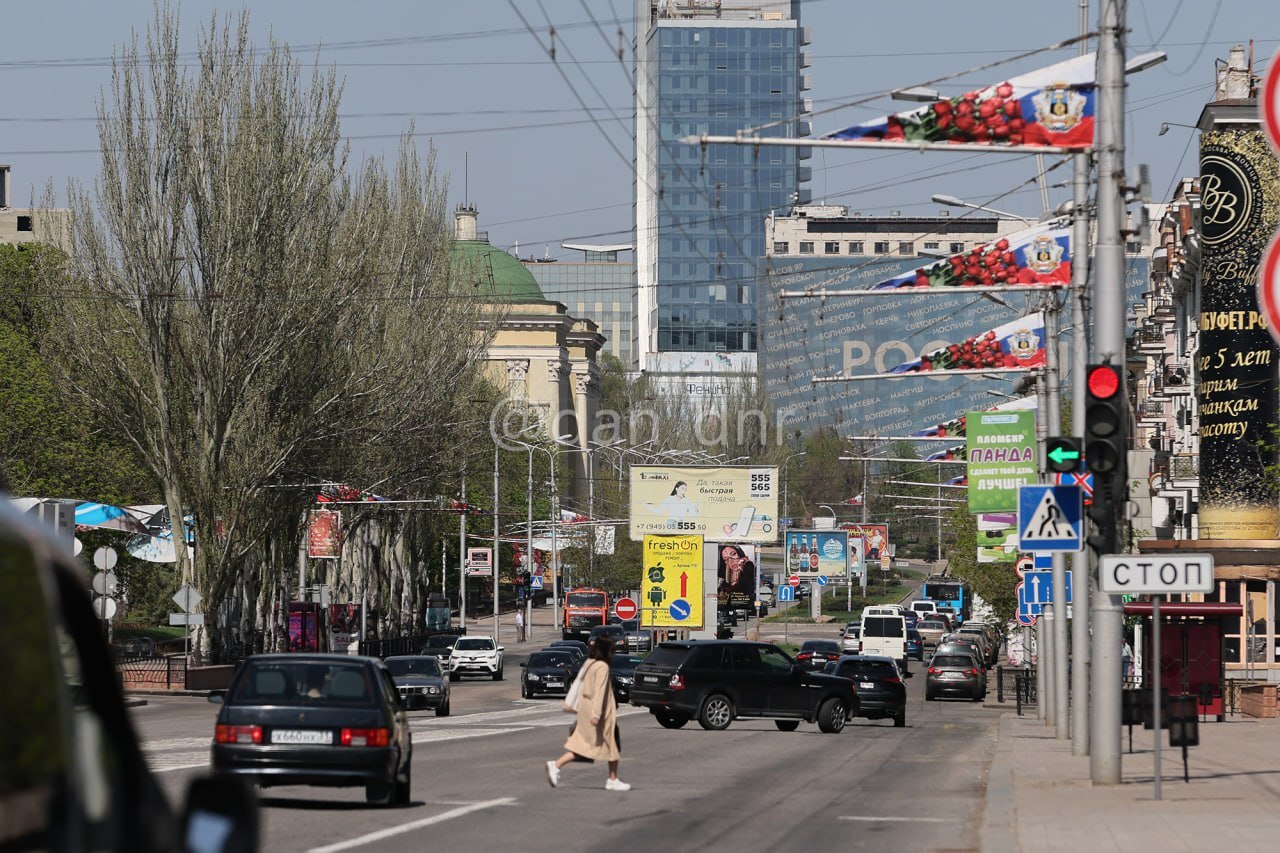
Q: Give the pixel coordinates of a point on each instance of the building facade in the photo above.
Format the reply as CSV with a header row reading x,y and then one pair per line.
x,y
707,68
598,286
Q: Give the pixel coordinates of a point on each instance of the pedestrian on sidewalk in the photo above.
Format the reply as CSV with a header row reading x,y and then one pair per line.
x,y
520,625
1126,656
594,735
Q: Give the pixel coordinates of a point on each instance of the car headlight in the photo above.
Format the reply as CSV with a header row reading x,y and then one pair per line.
x,y
626,680
534,677
431,690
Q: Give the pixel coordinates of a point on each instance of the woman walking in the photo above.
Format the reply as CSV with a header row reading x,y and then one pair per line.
x,y
594,736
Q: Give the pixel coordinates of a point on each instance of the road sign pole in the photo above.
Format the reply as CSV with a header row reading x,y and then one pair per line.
x,y
1061,682
1041,710
1155,694
1079,361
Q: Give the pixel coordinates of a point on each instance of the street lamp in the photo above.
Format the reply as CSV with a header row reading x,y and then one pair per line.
x,y
555,522
591,489
828,509
952,201
1164,127
786,504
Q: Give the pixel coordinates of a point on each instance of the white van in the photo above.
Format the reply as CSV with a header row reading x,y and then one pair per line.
x,y
885,634
924,607
883,610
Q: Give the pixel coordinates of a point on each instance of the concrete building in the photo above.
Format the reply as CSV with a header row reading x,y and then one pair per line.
x,y
599,286
711,68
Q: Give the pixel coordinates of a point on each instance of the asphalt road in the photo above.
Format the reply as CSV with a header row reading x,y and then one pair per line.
x,y
479,782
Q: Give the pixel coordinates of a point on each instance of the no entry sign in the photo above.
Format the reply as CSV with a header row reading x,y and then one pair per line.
x,y
625,608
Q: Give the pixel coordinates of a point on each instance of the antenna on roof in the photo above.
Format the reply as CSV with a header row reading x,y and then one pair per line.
x,y
466,192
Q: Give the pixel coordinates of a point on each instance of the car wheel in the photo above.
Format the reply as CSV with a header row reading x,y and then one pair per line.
x,y
978,697
787,725
443,710
497,676
453,676
900,720
380,793
929,696
832,716
716,713
670,721
403,786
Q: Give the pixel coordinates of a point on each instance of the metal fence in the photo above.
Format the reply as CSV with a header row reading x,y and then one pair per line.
x,y
153,671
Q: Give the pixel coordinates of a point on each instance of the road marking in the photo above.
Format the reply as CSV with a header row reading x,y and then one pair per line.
x,y
410,827
894,819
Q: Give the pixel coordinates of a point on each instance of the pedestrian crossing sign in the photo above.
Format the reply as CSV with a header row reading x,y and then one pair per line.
x,y
535,582
1050,518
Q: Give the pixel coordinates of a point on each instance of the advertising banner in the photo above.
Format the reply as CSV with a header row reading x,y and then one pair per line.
x,y
875,536
1051,106
720,503
344,629
818,552
324,534
736,574
1237,387
480,561
672,582
1034,257
1002,456
1018,343
998,546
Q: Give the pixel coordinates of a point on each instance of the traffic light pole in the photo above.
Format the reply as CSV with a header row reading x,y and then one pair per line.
x,y
1053,426
1108,325
1081,576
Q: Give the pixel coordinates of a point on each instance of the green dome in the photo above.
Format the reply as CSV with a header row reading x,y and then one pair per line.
x,y
480,262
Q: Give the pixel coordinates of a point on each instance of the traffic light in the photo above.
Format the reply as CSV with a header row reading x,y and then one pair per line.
x,y
1063,453
1105,452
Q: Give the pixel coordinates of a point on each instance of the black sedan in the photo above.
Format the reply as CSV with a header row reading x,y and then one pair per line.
x,y
548,673
440,646
816,654
881,693
309,719
421,681
623,671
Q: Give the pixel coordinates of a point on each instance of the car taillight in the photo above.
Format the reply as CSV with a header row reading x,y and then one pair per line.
x,y
895,680
934,671
365,737
676,682
803,656
237,734
970,672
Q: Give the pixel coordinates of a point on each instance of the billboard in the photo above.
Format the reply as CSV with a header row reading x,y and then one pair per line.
x,y
817,552
1002,456
875,536
324,534
736,575
672,582
720,503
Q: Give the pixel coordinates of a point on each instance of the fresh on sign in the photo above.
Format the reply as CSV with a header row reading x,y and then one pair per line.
x,y
672,577
1120,574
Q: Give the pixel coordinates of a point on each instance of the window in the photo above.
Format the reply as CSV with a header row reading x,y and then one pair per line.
x,y
956,248
831,247
806,248
855,248
932,245
882,247
781,247
906,248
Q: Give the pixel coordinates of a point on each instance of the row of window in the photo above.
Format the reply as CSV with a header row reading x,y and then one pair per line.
x,y
858,247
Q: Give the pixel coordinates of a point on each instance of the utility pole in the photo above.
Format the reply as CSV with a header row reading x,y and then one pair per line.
x,y
1108,346
462,557
495,542
1053,417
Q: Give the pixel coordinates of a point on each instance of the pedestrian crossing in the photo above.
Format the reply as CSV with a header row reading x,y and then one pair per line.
x,y
183,753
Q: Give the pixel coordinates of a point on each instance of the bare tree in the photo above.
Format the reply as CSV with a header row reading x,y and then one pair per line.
x,y
245,311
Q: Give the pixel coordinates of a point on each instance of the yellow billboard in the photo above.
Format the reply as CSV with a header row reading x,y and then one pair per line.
x,y
671,588
721,504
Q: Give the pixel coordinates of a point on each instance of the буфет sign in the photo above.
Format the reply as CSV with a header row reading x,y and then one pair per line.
x,y
1120,574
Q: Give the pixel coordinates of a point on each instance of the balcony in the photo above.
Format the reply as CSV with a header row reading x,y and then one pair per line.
x,y
1149,341
1162,308
1177,380
1152,411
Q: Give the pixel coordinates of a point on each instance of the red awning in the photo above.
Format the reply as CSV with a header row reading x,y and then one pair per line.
x,y
1211,609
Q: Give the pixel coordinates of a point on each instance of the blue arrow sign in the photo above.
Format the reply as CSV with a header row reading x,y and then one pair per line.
x,y
822,580
1037,591
786,593
535,582
680,609
1050,518
1024,614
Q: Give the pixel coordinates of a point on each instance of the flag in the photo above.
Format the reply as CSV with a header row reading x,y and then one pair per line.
x,y
856,500
1039,256
1019,343
1051,106
953,428
950,454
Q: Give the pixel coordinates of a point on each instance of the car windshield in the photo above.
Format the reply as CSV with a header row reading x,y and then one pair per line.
x,y
952,660
560,660
413,666
303,683
474,644
866,669
667,656
585,599
442,642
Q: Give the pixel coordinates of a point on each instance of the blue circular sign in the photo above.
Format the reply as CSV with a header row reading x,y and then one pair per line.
x,y
822,580
680,610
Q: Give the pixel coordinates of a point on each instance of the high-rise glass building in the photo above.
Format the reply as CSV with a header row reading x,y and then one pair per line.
x,y
706,67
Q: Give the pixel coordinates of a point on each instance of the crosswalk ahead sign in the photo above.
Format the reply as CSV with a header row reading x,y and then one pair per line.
x,y
1050,518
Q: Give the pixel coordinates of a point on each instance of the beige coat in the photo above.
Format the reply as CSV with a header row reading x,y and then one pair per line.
x,y
595,741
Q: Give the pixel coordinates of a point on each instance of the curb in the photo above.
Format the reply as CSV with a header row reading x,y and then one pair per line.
x,y
998,832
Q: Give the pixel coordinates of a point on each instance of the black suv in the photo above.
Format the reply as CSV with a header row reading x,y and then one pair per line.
x,y
717,681
881,693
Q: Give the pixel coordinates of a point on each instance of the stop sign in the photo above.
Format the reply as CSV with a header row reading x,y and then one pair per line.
x,y
794,580
1269,287
626,608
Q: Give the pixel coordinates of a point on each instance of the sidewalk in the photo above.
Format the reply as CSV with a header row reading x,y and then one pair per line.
x,y
1039,796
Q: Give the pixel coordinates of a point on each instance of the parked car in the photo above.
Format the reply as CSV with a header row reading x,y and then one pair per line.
x,y
421,682
931,631
915,644
977,640
989,634
816,654
951,674
476,654
548,672
638,639
622,669
966,646
881,692
440,646
851,638
315,719
718,681
73,775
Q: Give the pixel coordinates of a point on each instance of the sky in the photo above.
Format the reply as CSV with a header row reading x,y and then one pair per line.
x,y
543,148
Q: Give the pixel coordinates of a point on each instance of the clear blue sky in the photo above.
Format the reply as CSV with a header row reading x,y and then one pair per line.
x,y
542,168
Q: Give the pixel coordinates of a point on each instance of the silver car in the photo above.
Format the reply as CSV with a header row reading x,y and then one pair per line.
x,y
637,639
851,639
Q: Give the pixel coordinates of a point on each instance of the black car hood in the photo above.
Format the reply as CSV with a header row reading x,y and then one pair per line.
x,y
553,671
418,680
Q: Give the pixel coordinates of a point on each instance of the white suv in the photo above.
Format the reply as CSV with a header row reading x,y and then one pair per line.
x,y
479,655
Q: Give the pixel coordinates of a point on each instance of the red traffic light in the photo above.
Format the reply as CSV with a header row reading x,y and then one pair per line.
x,y
1103,381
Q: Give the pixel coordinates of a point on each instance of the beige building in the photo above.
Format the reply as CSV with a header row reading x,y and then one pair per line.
x,y
544,358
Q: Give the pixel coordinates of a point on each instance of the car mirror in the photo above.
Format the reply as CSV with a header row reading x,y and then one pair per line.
x,y
502,648
216,698
220,816
524,663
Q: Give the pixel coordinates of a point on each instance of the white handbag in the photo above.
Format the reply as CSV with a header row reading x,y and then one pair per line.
x,y
574,695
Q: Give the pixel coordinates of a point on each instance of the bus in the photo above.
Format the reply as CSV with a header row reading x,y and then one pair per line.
x,y
951,595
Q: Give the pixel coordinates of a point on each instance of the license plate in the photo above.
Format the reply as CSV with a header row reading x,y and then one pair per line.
x,y
555,684
866,685
302,736
651,679
952,676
